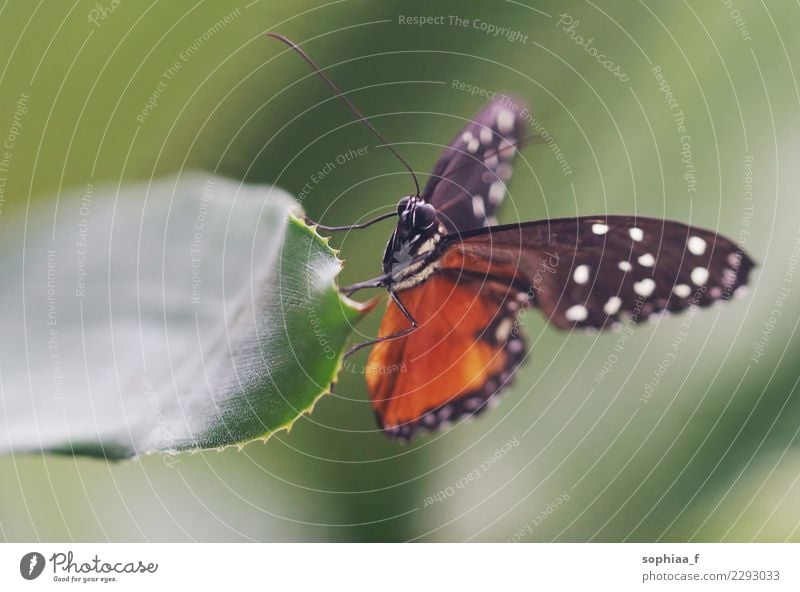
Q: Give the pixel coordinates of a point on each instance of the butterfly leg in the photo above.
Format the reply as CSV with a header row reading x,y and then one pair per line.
x,y
403,308
396,335
376,282
351,226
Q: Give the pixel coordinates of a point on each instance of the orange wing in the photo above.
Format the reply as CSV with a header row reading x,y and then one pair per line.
x,y
465,350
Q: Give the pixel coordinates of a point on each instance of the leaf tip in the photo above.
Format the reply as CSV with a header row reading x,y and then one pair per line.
x,y
297,211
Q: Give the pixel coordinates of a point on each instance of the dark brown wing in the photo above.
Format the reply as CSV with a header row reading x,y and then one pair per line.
x,y
590,271
468,182
465,350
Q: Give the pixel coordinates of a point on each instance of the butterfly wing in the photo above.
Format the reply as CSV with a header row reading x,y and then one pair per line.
x,y
468,182
581,272
465,349
593,271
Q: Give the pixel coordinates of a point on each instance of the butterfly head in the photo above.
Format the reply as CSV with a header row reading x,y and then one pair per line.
x,y
416,217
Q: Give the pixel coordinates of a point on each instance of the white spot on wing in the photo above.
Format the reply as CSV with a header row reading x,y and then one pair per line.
x,y
647,260
515,346
599,228
506,149
612,306
505,121
504,329
472,403
577,313
486,135
497,191
682,291
645,287
466,137
624,266
472,145
699,275
696,245
504,171
728,277
581,275
636,234
477,206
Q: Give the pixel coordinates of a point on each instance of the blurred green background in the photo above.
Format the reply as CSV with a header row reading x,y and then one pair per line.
x,y
713,453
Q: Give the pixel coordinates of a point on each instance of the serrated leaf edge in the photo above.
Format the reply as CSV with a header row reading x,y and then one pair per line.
x,y
361,308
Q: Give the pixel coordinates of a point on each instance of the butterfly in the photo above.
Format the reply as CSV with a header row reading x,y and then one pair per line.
x,y
450,340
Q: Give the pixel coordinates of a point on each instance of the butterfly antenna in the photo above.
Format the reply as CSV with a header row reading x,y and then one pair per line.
x,y
347,101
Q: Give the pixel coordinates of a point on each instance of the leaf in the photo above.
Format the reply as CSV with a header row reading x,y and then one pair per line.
x,y
190,312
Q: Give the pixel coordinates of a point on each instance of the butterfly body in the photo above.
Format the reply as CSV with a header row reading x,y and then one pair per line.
x,y
411,252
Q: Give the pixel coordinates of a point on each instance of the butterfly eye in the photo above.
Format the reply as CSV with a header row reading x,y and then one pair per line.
x,y
402,205
424,216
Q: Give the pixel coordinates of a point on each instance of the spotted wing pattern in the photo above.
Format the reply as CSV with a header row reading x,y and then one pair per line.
x,y
469,180
598,270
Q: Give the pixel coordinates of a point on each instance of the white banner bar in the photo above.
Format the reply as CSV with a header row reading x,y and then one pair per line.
x,y
400,568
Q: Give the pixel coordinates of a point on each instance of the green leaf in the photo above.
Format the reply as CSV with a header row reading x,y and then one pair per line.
x,y
190,312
